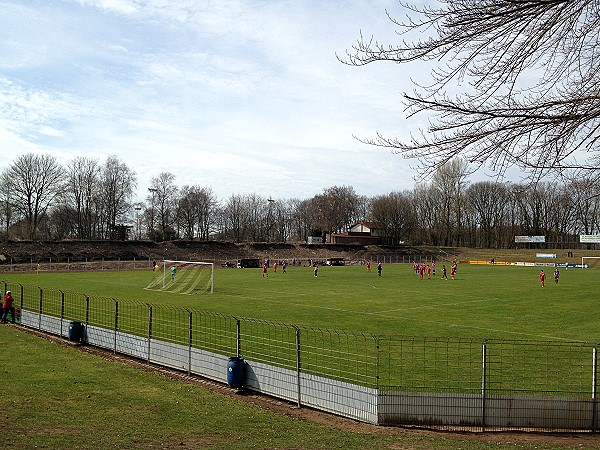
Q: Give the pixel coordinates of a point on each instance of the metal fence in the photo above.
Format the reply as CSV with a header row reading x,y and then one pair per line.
x,y
450,383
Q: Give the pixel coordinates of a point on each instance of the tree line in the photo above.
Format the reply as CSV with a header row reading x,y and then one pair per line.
x,y
93,200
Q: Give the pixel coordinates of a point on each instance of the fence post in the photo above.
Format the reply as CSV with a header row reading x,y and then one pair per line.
x,y
378,365
298,366
189,342
62,311
238,340
22,301
594,387
483,384
87,311
149,329
116,324
41,307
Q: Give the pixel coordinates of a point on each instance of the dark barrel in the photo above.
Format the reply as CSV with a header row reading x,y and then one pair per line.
x,y
75,331
235,372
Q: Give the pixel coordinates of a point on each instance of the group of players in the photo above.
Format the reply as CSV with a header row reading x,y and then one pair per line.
x,y
379,267
543,276
284,264
315,265
420,269
423,268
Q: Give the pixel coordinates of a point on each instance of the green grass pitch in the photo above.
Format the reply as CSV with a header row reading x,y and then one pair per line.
x,y
504,302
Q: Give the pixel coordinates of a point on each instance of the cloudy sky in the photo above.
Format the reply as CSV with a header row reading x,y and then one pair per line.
x,y
243,96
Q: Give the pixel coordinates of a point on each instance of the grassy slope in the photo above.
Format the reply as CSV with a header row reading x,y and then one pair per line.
x,y
62,398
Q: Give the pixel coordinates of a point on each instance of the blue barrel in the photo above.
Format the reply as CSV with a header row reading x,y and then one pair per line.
x,y
75,331
236,370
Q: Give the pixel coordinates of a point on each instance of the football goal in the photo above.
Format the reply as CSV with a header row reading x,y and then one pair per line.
x,y
184,277
591,262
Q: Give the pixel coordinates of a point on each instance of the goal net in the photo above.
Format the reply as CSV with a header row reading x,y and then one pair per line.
x,y
184,277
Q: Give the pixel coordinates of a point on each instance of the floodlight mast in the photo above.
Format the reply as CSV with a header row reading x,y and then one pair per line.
x,y
153,190
269,212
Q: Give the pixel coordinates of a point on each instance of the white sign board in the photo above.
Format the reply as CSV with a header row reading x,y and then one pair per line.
x,y
537,239
589,238
545,255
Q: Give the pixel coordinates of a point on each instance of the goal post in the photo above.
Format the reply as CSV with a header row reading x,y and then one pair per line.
x,y
185,277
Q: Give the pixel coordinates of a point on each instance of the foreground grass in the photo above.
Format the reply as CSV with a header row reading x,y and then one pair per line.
x,y
62,398
57,397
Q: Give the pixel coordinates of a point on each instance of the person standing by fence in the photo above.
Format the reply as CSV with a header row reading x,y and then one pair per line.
x,y
7,307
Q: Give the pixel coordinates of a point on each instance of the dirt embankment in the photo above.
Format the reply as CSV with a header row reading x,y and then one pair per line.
x,y
22,252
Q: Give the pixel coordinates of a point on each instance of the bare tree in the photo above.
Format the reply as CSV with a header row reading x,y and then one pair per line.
x,y
337,209
164,199
196,211
117,182
427,207
561,217
585,202
259,213
6,209
281,215
80,190
36,181
488,201
395,214
529,77
300,219
449,182
235,218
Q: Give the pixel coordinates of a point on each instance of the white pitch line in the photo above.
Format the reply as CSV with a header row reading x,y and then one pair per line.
x,y
438,304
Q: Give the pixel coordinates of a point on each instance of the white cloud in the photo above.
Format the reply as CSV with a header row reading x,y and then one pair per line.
x,y
243,96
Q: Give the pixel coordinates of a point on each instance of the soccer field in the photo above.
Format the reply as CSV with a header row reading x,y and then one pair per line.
x,y
482,302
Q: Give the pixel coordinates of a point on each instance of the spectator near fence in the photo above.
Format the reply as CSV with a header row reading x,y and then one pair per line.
x,y
7,307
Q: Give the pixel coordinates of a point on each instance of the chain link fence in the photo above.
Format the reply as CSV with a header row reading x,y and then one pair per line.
x,y
452,383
